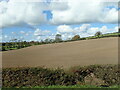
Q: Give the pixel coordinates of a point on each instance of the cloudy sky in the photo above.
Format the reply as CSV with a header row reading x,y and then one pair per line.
x,y
28,20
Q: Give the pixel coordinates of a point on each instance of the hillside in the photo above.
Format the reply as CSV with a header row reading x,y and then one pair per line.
x,y
66,54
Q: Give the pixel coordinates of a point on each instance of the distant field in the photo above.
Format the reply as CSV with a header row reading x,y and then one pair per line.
x,y
66,54
14,45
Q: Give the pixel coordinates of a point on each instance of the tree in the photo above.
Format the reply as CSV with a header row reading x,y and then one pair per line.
x,y
2,48
51,40
76,37
98,34
58,38
119,32
47,40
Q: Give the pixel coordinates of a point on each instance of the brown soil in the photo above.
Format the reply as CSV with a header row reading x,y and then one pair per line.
x,y
67,54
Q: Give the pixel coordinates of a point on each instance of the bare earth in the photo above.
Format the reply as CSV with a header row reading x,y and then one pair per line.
x,y
65,55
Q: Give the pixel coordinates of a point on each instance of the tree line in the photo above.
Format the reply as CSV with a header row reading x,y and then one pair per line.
x,y
17,44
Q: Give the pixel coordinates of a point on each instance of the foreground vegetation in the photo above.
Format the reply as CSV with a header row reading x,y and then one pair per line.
x,y
74,86
17,44
38,77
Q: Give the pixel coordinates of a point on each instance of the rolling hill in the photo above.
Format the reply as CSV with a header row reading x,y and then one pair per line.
x,y
66,54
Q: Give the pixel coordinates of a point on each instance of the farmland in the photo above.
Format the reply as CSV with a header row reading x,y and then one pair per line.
x,y
59,44
65,55
63,65
16,44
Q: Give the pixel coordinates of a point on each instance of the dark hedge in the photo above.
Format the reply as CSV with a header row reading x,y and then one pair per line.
x,y
31,77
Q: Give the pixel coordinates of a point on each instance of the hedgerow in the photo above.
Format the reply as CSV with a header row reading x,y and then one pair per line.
x,y
38,76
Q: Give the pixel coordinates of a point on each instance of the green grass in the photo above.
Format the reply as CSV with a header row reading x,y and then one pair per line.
x,y
104,35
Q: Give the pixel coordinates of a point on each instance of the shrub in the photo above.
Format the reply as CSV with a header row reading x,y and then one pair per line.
x,y
76,37
31,77
98,34
108,73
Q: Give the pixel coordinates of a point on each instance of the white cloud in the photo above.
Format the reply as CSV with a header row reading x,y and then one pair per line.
x,y
116,29
52,36
5,36
39,32
20,13
14,33
92,30
67,36
14,13
64,29
22,32
111,16
25,33
58,6
84,12
84,30
21,38
39,38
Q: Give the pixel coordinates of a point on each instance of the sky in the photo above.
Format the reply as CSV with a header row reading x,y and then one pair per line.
x,y
35,21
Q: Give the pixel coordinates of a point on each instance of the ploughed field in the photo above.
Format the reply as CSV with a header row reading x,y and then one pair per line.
x,y
64,55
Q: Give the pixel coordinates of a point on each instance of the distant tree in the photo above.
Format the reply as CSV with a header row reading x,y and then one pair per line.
x,y
76,37
68,39
47,40
58,38
51,40
42,42
2,48
119,32
14,40
98,34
